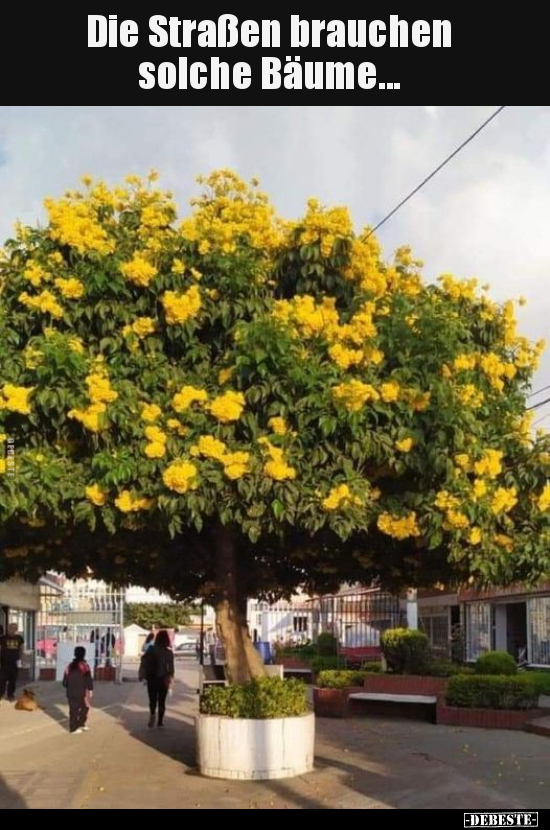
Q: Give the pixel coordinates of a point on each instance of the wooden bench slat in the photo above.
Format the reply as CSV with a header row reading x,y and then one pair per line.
x,y
428,699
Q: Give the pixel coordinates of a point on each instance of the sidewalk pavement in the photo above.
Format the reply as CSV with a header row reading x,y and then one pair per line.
x,y
365,763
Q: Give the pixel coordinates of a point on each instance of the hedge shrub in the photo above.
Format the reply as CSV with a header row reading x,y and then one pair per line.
x,y
269,697
542,679
496,662
406,651
326,663
492,692
372,668
341,679
327,644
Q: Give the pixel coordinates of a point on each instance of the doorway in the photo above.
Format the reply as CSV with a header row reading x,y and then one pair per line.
x,y
516,630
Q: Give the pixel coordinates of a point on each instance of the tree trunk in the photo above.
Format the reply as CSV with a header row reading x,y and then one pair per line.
x,y
243,662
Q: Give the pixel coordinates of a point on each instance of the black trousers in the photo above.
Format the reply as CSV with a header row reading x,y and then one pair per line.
x,y
8,681
78,713
157,690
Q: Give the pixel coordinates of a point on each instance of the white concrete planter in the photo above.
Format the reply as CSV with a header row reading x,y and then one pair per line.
x,y
249,750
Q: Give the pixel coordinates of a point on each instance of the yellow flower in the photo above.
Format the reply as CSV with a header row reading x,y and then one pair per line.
x,y
181,476
91,418
399,527
490,465
390,391
454,519
236,465
209,447
405,445
277,467
340,497
445,501
543,501
150,412
143,327
227,407
465,362
278,426
187,397
16,398
99,388
75,223
504,500
355,394
155,450
178,267
474,537
177,426
504,541
463,461
128,503
139,271
96,495
181,307
35,274
72,289
480,488
156,435
44,302
75,345
225,375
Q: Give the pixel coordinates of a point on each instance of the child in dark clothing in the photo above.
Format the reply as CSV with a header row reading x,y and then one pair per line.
x,y
78,682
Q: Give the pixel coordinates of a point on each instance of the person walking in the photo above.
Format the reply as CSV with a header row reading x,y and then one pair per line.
x,y
149,642
159,673
79,684
11,651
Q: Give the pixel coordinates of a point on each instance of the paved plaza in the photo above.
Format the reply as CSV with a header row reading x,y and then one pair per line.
x,y
369,763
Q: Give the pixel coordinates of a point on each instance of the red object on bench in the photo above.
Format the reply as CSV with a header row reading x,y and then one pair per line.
x,y
361,654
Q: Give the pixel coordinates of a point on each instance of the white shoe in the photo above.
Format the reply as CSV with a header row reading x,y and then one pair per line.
x,y
77,732
85,729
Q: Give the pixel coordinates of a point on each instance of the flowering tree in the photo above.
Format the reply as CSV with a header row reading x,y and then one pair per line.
x,y
236,405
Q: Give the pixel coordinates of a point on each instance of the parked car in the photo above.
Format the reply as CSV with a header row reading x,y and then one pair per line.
x,y
186,650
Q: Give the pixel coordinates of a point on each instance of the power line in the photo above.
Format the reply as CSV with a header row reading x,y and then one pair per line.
x,y
534,394
437,169
538,405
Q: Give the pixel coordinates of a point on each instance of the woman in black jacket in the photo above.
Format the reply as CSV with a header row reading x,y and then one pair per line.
x,y
159,673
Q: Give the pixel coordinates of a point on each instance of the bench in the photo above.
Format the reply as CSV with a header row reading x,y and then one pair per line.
x,y
211,676
428,699
301,674
416,706
356,656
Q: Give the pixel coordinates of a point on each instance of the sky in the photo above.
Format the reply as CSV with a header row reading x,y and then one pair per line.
x,y
485,214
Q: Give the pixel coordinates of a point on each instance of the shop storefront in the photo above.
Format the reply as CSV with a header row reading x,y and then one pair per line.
x,y
19,604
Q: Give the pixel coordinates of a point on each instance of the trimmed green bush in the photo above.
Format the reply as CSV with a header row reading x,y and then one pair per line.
x,y
492,692
325,663
406,651
496,662
372,668
341,679
269,697
444,668
542,679
327,645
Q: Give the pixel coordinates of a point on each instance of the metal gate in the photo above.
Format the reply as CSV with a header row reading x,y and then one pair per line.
x,y
86,612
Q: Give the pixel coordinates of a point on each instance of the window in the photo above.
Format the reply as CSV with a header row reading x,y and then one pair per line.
x,y
478,629
299,624
434,622
539,624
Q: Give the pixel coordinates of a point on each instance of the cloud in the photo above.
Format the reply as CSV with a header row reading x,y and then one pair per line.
x,y
485,214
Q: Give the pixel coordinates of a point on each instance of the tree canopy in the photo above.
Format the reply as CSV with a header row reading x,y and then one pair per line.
x,y
152,615
277,382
